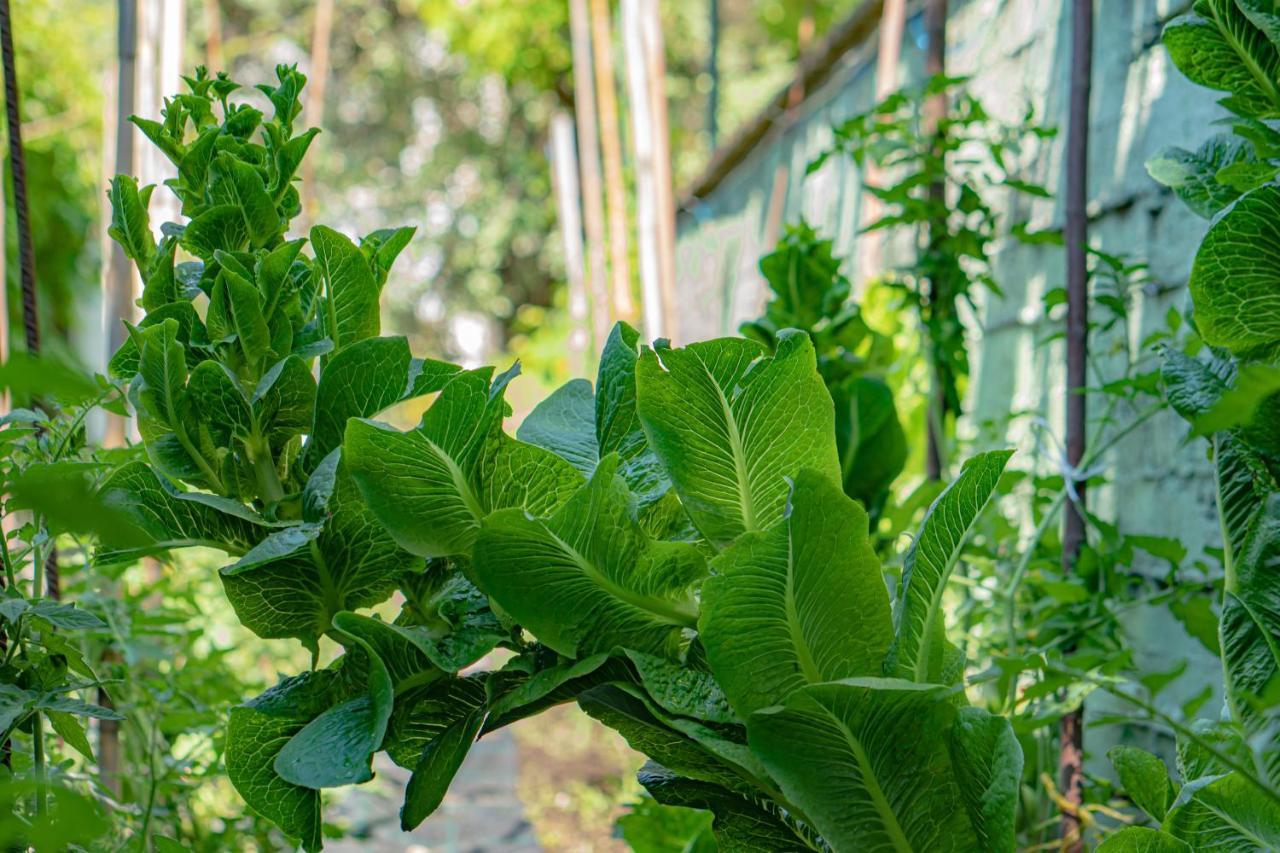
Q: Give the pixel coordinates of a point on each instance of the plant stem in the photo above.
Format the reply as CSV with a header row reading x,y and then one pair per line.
x,y
37,760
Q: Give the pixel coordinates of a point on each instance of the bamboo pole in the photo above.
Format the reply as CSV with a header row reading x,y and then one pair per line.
x,y
212,15
935,110
313,110
665,198
611,149
648,218
1071,729
584,101
564,172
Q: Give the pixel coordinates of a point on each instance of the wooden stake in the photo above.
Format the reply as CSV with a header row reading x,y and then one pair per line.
x,y
117,282
313,110
564,171
665,195
1071,731
611,148
584,101
212,15
648,217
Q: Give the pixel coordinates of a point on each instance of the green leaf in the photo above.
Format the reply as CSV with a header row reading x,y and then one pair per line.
x,y
292,583
424,714
1144,779
337,747
587,578
449,619
363,380
1235,279
72,732
1218,48
918,649
29,376
731,424
1142,839
869,438
350,303
802,603
382,247
870,763
988,766
1238,405
1249,504
1193,175
256,733
235,182
191,334
130,222
68,617
168,518
650,827
628,715
238,306
219,228
565,424
219,402
63,495
1224,813
740,825
617,420
431,487
284,403
436,768
517,695
680,689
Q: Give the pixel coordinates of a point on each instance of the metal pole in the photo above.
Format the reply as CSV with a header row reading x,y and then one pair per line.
x,y
713,70
1071,731
935,110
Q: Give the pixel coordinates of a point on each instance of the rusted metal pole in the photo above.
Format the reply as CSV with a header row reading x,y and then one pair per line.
x,y
935,110
1071,731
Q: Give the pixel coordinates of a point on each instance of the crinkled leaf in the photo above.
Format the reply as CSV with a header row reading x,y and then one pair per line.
x,y
364,379
802,603
740,825
870,762
432,486
1193,175
295,581
587,578
731,425
1235,280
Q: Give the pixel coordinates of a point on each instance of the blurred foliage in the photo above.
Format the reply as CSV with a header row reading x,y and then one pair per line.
x,y
62,104
436,114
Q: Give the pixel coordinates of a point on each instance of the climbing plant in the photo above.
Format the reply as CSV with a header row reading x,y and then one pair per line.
x,y
1224,380
969,156
671,548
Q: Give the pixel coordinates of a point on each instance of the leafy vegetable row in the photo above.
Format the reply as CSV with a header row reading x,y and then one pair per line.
x,y
672,547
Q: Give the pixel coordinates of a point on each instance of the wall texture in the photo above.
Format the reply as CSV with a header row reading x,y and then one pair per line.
x,y
1017,53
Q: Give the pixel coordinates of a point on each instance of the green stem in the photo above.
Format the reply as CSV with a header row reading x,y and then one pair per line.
x,y
264,469
37,760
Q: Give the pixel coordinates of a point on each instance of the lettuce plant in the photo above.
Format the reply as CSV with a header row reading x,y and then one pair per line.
x,y
809,292
1225,384
671,548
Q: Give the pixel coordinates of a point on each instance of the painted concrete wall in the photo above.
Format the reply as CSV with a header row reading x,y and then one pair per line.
x,y
1017,52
